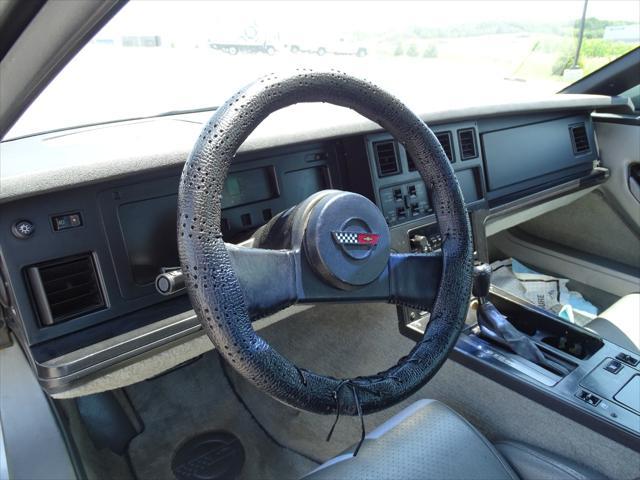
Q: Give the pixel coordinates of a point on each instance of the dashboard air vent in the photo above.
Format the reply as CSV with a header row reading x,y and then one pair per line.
x,y
65,288
467,140
579,139
445,140
386,158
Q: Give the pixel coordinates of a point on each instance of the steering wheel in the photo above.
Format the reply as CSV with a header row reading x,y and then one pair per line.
x,y
334,246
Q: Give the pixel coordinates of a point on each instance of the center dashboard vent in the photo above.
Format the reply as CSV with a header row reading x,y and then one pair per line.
x,y
65,288
579,139
467,142
386,158
445,140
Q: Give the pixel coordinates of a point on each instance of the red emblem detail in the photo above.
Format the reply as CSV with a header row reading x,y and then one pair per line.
x,y
368,238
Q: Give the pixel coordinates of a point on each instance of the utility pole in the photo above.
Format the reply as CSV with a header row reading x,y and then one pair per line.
x,y
584,16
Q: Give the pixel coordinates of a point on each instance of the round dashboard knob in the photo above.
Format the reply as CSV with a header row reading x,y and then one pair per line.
x,y
23,229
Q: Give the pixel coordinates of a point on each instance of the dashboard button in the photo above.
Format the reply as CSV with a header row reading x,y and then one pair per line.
x,y
23,229
63,222
75,220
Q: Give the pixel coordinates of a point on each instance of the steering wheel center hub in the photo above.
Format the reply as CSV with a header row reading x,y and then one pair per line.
x,y
346,240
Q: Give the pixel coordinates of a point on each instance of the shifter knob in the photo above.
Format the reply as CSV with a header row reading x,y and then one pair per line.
x,y
481,281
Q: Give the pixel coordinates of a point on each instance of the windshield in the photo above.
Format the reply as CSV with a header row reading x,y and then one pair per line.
x,y
163,56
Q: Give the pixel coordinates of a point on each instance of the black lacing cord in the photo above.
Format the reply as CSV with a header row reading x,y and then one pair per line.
x,y
354,384
356,399
255,419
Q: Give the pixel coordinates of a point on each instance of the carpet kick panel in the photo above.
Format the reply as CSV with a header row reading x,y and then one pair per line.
x,y
215,455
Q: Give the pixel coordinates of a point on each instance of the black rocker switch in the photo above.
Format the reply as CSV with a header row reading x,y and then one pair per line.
x,y
614,366
628,359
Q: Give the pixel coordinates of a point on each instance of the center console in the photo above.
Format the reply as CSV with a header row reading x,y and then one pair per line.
x,y
601,386
504,168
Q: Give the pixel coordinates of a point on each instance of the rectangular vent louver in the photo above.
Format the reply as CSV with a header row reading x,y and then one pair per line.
x,y
467,141
579,139
445,140
65,288
386,158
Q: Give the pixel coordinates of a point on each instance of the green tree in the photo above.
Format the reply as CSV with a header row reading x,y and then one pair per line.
x,y
430,52
594,27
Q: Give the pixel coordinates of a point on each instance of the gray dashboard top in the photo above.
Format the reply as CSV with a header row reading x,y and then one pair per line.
x,y
60,160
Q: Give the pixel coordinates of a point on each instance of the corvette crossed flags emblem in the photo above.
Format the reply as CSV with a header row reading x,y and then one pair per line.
x,y
355,238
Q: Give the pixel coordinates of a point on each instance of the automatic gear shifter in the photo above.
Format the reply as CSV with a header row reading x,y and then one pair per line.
x,y
496,327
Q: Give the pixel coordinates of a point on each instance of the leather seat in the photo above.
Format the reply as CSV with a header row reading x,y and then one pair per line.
x,y
428,440
620,323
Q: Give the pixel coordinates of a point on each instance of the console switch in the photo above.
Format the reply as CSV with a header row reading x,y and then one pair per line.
x,y
613,366
628,359
588,397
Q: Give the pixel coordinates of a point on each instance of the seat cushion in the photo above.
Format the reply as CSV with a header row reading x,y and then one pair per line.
x,y
426,440
620,323
532,463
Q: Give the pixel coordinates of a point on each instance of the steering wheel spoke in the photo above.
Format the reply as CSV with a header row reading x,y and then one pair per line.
x,y
414,279
272,280
267,278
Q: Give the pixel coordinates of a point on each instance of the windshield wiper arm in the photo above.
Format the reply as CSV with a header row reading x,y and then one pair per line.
x,y
181,112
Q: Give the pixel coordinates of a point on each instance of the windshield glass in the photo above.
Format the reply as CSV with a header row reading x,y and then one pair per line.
x,y
162,56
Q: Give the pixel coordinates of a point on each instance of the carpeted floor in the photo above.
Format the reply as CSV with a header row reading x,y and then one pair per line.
x,y
193,400
340,340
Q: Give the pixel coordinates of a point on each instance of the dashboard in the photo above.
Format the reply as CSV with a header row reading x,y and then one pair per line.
x,y
79,258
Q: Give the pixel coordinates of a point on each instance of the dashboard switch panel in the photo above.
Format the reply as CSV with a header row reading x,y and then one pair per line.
x,y
401,202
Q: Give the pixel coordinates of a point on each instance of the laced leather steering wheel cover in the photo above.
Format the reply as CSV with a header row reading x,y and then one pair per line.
x,y
213,286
